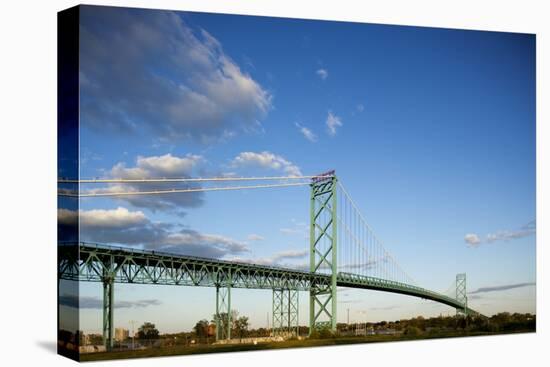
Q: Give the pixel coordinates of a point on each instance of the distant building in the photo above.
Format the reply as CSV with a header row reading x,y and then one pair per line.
x,y
121,334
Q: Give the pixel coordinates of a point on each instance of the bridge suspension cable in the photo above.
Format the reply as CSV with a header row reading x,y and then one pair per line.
x,y
451,291
183,179
359,250
107,193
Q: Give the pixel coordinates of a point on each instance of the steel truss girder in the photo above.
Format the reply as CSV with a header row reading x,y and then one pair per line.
x,y
285,312
142,267
85,262
323,253
368,282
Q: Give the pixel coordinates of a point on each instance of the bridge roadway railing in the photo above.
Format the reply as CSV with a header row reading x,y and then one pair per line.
x,y
368,282
88,262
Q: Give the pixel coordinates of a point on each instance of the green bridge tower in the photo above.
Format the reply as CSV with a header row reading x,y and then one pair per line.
x,y
323,251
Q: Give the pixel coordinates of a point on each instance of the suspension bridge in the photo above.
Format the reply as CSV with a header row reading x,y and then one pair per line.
x,y
343,252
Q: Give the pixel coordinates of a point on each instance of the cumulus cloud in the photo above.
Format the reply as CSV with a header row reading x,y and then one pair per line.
x,y
148,72
527,230
200,244
322,73
502,287
163,166
472,239
266,160
307,133
114,218
333,122
133,228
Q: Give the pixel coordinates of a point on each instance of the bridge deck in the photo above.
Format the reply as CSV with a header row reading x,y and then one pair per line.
x,y
94,262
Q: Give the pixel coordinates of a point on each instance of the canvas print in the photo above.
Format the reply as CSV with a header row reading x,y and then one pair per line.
x,y
235,183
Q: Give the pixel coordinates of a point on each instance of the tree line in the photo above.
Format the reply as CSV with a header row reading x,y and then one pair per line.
x,y
204,331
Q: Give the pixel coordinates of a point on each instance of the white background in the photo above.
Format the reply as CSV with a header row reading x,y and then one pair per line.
x,y
28,169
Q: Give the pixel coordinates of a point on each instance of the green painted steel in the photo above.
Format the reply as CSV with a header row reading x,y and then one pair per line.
x,y
277,312
379,284
461,295
323,253
153,267
110,265
108,303
285,314
223,312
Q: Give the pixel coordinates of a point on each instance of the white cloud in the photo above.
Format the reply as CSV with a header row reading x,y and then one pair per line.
x,y
472,239
509,235
323,73
360,107
165,166
192,239
113,218
266,160
307,133
149,72
529,229
333,122
133,228
110,218
277,258
255,237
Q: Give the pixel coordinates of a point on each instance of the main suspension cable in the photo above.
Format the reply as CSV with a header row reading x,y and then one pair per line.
x,y
174,191
183,179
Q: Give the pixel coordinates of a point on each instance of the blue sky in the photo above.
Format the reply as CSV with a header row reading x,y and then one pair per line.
x,y
432,131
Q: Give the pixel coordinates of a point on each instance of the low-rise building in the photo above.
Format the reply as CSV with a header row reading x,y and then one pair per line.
x,y
121,334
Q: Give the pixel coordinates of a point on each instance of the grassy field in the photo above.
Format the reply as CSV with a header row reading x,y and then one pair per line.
x,y
200,349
